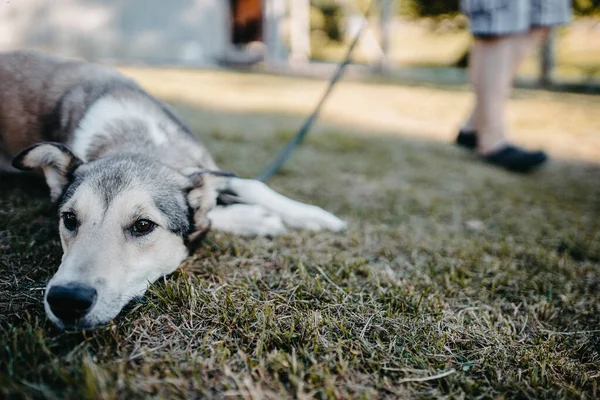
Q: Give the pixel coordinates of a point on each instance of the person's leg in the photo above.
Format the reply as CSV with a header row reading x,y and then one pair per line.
x,y
495,62
499,49
493,23
519,48
469,124
524,44
491,72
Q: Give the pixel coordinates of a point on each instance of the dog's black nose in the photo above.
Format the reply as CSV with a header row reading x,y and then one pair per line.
x,y
72,301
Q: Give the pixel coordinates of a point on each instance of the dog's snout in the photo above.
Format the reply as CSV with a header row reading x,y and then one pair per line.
x,y
71,302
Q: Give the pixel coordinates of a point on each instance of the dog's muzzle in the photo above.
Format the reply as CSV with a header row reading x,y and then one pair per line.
x,y
71,302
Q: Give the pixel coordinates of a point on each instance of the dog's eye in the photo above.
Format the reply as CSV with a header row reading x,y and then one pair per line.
x,y
70,221
142,227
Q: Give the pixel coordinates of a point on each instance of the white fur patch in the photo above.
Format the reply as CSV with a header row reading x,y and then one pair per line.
x,y
246,220
54,162
109,109
56,181
293,213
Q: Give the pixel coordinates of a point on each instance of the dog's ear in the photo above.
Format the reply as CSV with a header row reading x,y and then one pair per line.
x,y
202,197
55,160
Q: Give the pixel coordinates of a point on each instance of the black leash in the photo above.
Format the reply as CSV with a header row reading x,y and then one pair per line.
x,y
288,150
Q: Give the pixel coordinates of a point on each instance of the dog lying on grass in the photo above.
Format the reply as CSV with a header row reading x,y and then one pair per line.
x,y
136,191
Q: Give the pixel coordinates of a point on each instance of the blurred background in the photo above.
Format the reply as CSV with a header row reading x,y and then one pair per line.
x,y
256,68
412,39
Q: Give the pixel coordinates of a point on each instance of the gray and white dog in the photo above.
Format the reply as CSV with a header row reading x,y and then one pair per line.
x,y
135,188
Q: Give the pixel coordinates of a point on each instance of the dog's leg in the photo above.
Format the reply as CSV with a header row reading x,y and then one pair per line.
x,y
246,220
293,213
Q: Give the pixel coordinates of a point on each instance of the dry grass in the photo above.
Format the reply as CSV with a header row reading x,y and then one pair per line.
x,y
454,280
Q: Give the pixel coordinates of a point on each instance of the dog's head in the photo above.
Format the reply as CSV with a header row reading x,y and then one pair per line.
x,y
124,222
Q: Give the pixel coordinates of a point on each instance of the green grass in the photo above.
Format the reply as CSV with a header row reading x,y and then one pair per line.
x,y
454,280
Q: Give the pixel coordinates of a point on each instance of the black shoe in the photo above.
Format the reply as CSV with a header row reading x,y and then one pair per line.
x,y
517,160
467,139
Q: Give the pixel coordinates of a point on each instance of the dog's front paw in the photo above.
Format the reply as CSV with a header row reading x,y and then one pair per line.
x,y
313,218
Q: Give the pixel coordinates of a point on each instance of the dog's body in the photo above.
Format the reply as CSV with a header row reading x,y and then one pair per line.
x,y
134,186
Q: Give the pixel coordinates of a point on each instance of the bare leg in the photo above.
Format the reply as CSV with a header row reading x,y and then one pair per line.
x,y
525,44
493,74
469,124
493,66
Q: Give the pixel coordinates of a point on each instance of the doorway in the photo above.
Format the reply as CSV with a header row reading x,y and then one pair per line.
x,y
246,21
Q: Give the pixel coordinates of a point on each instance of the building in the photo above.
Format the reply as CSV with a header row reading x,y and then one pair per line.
x,y
159,32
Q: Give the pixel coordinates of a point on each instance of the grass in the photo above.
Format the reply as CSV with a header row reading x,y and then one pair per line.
x,y
454,279
577,55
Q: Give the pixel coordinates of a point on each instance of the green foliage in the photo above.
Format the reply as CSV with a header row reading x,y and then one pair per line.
x,y
327,16
586,7
427,8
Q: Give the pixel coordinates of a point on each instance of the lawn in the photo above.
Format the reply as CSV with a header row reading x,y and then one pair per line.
x,y
417,44
453,280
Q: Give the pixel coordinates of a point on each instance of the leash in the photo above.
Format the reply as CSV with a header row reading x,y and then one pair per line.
x,y
285,154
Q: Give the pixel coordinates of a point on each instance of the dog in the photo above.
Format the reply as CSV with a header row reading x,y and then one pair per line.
x,y
136,190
